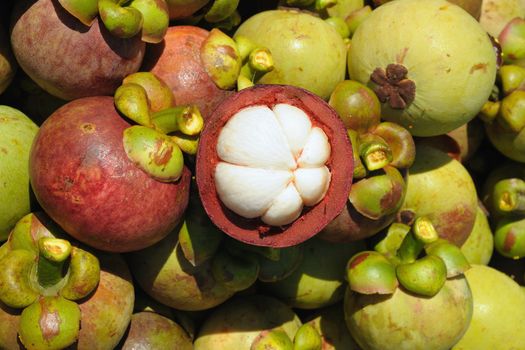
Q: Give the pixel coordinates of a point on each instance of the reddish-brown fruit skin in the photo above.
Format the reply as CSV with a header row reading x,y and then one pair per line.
x,y
66,58
313,219
177,61
85,182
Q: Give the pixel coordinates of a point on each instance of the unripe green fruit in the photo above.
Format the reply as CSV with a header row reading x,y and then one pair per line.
x,y
17,132
430,62
498,320
307,51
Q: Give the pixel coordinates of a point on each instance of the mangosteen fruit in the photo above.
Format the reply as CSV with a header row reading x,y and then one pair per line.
x,y
8,64
67,58
18,132
177,271
431,64
296,39
495,14
56,293
274,165
441,188
497,319
318,281
242,323
330,323
177,61
149,330
479,246
83,178
403,320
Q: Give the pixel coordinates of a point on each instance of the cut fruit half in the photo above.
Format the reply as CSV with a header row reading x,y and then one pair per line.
x,y
274,165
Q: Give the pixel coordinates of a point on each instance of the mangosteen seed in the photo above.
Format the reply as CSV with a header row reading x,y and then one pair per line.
x,y
393,86
272,163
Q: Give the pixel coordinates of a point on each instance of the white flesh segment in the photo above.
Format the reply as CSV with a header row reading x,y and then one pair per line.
x,y
296,126
312,184
254,138
316,151
249,192
286,207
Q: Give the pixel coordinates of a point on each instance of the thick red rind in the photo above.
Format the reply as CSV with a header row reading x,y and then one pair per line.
x,y
313,219
84,181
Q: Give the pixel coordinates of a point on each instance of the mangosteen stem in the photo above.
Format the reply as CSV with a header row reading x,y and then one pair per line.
x,y
53,253
186,119
393,86
509,196
374,151
261,60
424,230
410,248
359,169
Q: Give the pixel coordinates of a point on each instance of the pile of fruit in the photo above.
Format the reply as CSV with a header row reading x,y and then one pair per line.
x,y
262,175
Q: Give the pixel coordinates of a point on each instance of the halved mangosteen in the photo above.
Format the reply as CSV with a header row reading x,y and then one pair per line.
x,y
274,165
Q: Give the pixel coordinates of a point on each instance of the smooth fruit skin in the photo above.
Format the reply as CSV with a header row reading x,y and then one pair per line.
x,y
479,246
149,330
18,132
498,320
448,55
237,323
403,321
318,281
168,277
495,14
307,52
441,188
85,182
66,58
177,61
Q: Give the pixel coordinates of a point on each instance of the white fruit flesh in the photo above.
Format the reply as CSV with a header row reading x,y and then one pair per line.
x,y
272,163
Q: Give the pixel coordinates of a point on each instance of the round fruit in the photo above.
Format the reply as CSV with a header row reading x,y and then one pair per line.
x,y
498,320
84,180
18,132
307,51
177,61
67,58
430,63
274,165
404,320
441,188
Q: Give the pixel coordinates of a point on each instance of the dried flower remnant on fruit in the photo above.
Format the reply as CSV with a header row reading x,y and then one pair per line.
x,y
393,86
272,163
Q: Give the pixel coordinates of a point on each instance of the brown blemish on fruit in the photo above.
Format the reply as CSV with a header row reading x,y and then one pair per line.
x,y
391,198
393,86
358,260
479,66
224,50
510,240
3,150
162,153
49,322
88,128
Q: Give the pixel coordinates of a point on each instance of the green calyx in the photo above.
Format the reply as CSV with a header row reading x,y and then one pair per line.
x,y
379,194
85,10
164,130
49,323
36,263
370,272
125,19
154,152
411,256
274,339
221,59
307,338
